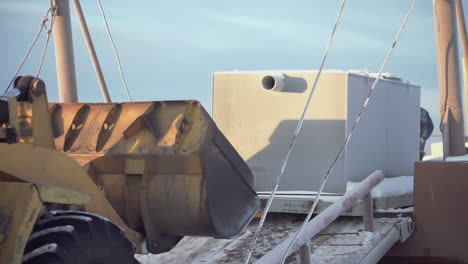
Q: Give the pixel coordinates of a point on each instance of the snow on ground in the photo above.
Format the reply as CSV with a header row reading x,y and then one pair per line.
x,y
390,187
396,210
463,158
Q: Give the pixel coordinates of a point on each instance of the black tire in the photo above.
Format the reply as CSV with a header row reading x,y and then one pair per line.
x,y
66,237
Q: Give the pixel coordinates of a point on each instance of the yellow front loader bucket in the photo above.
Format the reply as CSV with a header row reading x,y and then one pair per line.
x,y
164,167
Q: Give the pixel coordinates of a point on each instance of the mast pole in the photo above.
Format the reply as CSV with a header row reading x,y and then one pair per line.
x,y
65,61
464,46
448,68
92,51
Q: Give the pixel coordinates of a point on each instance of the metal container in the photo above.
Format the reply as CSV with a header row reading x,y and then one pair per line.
x,y
258,112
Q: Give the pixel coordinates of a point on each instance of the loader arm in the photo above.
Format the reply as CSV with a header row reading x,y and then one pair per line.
x,y
160,170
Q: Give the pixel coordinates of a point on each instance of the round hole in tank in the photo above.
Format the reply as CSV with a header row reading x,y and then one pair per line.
x,y
268,82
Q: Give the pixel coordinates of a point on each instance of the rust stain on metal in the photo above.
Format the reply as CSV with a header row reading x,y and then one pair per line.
x,y
169,138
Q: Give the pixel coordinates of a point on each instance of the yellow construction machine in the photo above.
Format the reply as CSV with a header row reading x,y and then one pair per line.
x,y
95,182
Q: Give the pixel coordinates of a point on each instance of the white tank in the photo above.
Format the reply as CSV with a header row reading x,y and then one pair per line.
x,y
258,112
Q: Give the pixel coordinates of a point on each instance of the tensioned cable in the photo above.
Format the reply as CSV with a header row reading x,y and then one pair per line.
x,y
356,121
53,13
115,51
293,141
41,27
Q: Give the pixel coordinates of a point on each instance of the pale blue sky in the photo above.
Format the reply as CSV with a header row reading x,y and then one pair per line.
x,y
169,49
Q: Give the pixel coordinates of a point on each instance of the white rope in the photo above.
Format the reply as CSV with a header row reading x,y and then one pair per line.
x,y
366,102
296,132
115,50
41,27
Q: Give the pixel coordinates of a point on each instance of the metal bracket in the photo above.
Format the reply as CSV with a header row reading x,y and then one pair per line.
x,y
406,227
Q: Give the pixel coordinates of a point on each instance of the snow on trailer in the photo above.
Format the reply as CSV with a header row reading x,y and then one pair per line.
x,y
344,241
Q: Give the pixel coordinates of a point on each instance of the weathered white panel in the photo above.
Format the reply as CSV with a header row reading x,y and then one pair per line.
x,y
402,129
260,124
366,152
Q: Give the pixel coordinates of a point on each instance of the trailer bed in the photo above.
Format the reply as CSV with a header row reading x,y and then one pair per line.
x,y
344,241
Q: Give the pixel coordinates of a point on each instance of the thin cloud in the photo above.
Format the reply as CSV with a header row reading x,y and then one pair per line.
x,y
18,8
